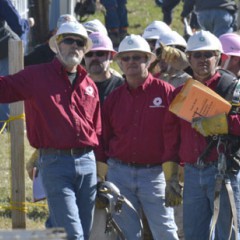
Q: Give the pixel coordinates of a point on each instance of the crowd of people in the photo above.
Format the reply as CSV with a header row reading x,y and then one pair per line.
x,y
90,123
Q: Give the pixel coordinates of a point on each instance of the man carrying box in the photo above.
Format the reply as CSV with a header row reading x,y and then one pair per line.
x,y
205,146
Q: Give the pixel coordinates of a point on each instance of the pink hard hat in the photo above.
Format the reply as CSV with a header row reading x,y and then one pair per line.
x,y
230,44
101,42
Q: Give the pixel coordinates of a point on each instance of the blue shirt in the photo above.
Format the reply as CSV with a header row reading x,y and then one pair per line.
x,y
10,14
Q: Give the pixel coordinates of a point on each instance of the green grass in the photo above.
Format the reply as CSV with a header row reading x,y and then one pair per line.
x,y
140,13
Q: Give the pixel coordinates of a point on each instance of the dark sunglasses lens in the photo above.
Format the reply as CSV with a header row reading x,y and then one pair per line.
x,y
98,54
197,55
133,58
136,58
89,54
208,54
205,54
70,41
125,59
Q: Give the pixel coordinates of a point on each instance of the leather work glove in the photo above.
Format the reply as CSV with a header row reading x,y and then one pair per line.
x,y
208,126
173,190
32,163
101,170
170,54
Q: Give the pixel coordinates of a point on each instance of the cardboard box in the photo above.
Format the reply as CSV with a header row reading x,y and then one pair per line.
x,y
196,99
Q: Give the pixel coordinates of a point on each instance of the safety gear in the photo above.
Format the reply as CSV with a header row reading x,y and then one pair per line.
x,y
101,42
168,53
155,29
32,163
171,38
95,26
209,126
65,18
230,44
135,43
102,170
74,28
113,200
173,190
203,41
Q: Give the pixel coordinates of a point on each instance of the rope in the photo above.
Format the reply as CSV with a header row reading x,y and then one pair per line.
x,y
11,118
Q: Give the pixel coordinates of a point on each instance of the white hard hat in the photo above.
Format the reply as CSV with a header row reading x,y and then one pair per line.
x,y
203,41
135,43
101,42
171,38
95,26
74,28
65,18
155,29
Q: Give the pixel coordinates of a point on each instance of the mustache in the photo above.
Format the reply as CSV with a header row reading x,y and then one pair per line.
x,y
94,62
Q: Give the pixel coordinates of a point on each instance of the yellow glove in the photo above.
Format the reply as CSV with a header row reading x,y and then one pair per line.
x,y
32,162
173,190
170,54
102,170
209,126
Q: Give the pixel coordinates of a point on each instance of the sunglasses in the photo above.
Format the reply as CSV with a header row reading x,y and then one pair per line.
x,y
203,54
70,41
97,54
135,58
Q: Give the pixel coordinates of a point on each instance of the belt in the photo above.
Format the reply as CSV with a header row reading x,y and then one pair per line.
x,y
70,151
203,165
137,165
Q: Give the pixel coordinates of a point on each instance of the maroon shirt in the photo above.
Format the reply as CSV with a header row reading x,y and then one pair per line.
x,y
57,115
185,144
133,122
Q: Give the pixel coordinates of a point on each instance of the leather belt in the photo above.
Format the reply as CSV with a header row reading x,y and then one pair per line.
x,y
138,165
70,151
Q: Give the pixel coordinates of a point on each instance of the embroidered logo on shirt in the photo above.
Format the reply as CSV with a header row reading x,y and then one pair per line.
x,y
89,91
157,102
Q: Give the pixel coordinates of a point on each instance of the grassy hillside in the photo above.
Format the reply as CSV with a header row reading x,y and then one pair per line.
x,y
140,13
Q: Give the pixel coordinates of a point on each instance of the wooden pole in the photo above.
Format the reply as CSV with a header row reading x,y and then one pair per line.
x,y
15,54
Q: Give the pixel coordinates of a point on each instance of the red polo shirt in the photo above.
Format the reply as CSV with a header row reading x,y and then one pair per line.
x,y
57,115
133,122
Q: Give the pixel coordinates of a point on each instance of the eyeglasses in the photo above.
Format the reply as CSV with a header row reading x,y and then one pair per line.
x,y
206,54
70,41
135,58
97,54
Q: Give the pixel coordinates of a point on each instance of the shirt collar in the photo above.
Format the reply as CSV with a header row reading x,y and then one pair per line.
x,y
59,68
143,86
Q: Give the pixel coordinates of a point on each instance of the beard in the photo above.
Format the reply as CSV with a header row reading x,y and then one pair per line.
x,y
97,67
72,60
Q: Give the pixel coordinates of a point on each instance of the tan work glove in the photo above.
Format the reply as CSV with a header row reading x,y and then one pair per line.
x,y
101,170
208,126
173,190
32,162
170,54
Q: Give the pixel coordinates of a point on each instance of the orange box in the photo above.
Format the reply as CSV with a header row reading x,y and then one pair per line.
x,y
196,99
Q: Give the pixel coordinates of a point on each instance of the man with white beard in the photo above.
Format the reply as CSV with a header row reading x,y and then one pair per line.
x,y
63,122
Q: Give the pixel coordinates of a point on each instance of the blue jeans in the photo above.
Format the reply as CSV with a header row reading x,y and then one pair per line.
x,y
70,186
216,21
198,199
145,189
116,14
167,9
